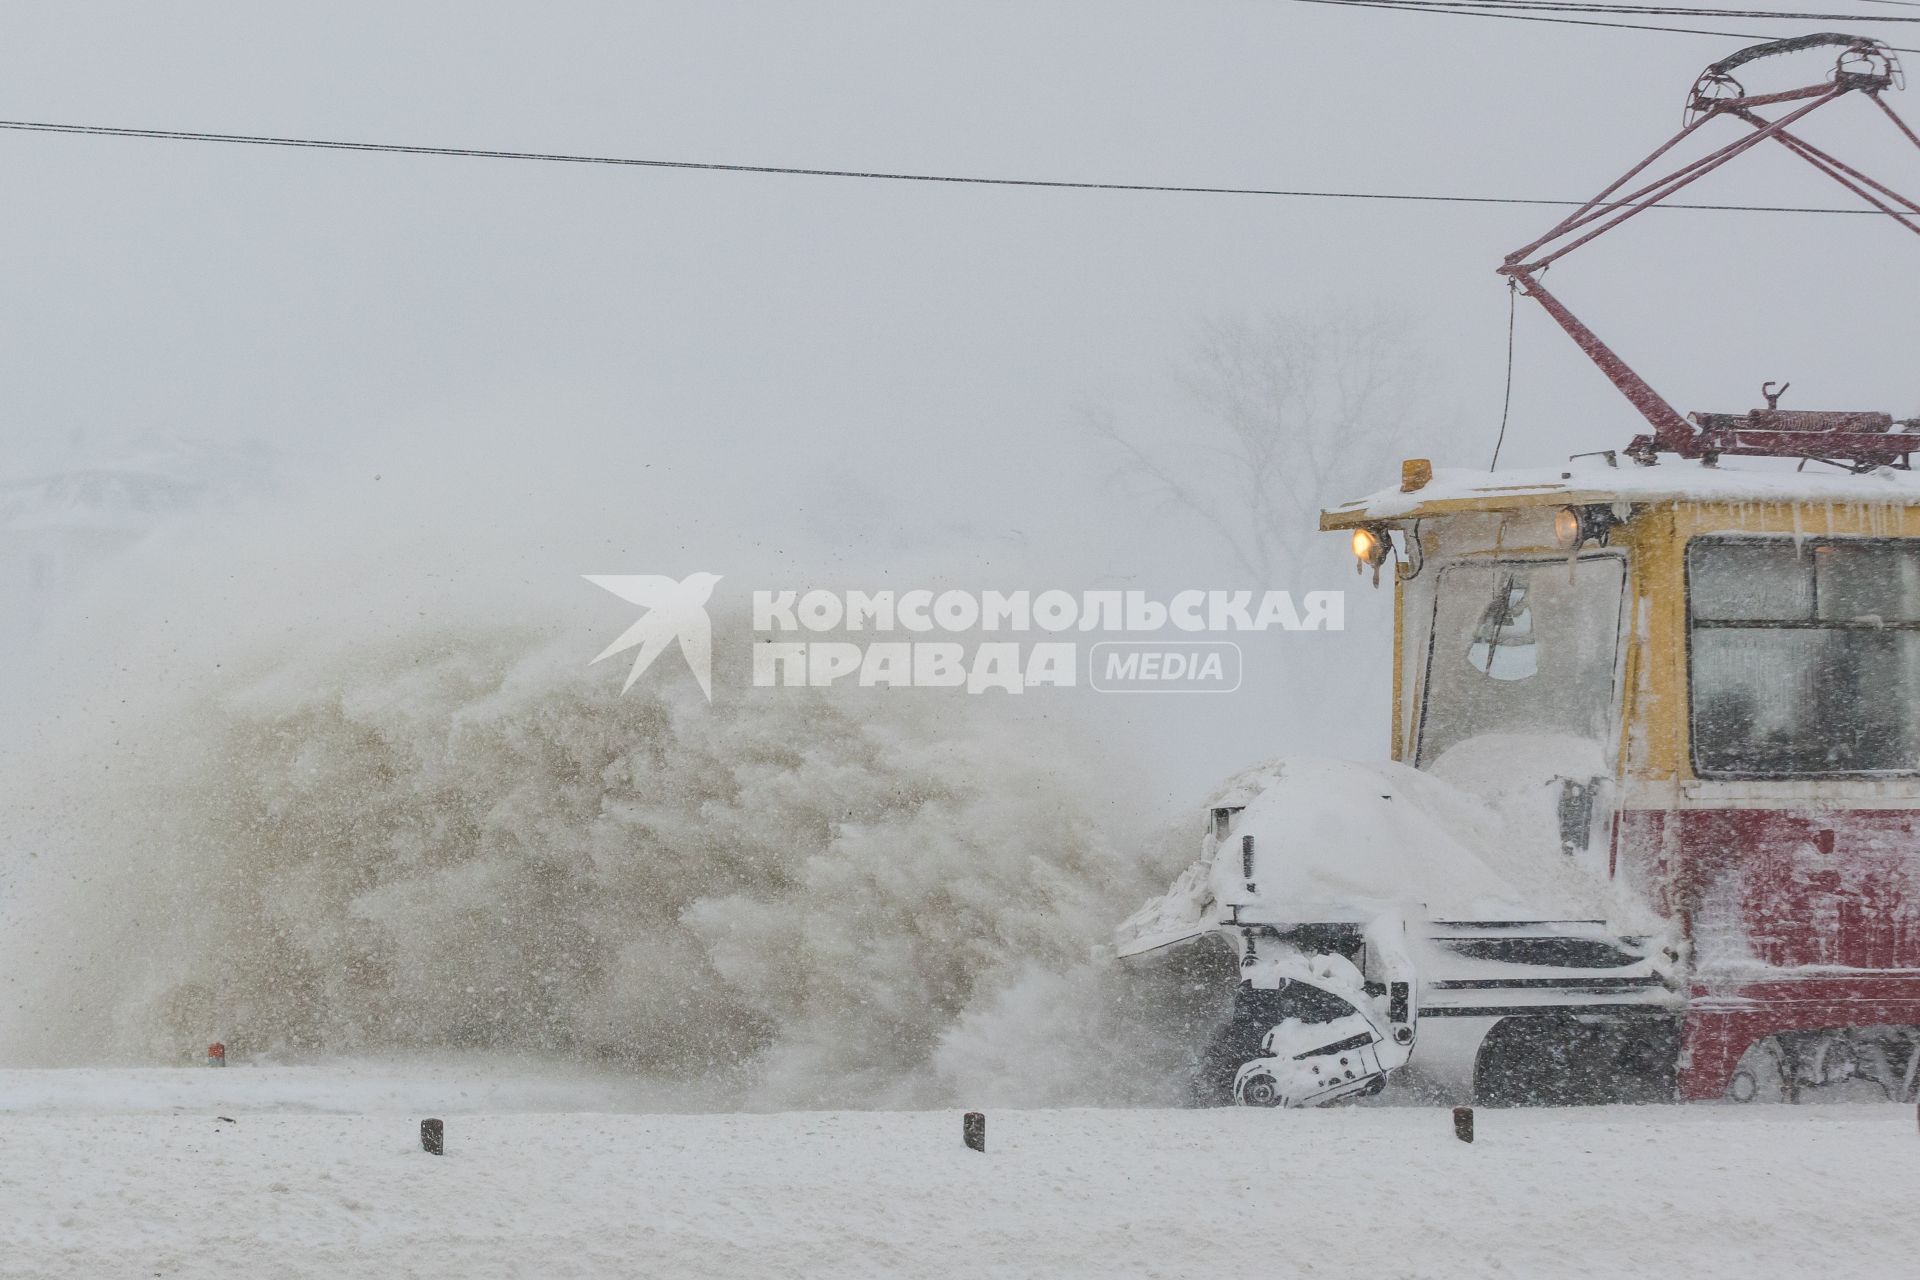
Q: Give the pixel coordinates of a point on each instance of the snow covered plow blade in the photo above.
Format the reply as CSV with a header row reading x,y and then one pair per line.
x,y
1313,901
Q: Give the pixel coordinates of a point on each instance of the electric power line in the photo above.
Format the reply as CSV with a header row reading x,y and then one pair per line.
x,y
710,166
1402,7
1656,10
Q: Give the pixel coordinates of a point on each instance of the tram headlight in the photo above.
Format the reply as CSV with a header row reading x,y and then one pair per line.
x,y
1568,528
1574,527
1370,545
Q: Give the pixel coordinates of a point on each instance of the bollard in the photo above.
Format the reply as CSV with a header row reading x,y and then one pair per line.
x,y
216,1054
973,1131
1463,1123
433,1137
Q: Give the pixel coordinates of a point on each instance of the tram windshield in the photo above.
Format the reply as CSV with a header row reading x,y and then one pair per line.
x,y
1522,647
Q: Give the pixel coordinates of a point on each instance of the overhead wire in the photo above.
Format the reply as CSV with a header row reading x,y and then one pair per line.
x,y
1656,10
1463,8
714,166
1404,6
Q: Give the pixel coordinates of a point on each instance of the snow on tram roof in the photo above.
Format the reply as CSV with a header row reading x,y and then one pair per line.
x,y
1592,480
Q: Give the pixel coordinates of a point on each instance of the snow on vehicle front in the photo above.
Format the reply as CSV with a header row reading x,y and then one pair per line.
x,y
1324,882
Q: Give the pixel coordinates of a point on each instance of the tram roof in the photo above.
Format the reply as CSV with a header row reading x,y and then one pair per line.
x,y
1592,480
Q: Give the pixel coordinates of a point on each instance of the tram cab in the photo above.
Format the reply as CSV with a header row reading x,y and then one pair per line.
x,y
1717,673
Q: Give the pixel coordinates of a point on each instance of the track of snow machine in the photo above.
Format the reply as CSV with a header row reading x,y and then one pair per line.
x,y
1651,827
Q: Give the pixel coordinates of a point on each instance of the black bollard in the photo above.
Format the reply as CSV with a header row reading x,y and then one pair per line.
x,y
433,1137
1463,1123
973,1131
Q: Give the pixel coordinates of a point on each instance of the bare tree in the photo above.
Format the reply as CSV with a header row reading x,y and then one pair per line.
x,y
1286,414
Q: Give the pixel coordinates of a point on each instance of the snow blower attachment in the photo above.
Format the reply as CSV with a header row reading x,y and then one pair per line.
x,y
1651,827
1329,1039
1348,912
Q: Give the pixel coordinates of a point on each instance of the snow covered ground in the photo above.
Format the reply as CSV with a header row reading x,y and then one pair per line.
x,y
317,1172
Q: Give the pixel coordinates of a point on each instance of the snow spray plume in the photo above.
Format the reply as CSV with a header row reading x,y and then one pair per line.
x,y
439,839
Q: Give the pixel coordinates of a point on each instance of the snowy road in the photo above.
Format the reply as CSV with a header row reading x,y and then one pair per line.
x,y
318,1173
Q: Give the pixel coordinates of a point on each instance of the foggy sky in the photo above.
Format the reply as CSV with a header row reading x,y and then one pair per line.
x,y
828,378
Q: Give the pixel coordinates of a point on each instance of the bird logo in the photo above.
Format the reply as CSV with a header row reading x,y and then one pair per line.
x,y
674,611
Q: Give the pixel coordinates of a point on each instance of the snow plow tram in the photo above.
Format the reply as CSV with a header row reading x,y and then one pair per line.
x,y
1650,829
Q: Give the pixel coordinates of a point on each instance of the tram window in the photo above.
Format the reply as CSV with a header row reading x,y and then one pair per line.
x,y
1750,580
1805,656
1866,582
1522,647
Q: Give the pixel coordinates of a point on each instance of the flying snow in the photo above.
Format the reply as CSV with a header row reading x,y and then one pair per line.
x,y
428,839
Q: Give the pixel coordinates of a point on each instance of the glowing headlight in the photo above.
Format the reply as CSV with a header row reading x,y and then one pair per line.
x,y
1370,546
1574,527
1569,530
